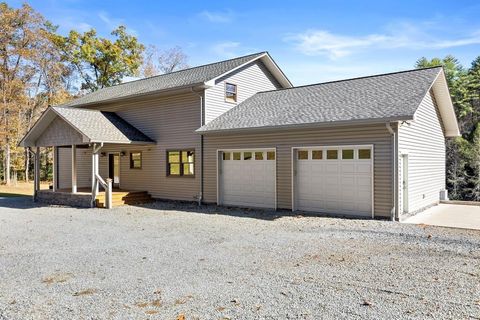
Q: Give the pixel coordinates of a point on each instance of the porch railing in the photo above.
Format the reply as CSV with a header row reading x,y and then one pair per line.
x,y
107,186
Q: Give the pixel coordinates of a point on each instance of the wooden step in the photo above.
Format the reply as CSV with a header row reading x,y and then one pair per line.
x,y
120,198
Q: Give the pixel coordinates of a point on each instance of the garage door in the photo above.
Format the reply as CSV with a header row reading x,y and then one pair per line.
x,y
247,178
334,180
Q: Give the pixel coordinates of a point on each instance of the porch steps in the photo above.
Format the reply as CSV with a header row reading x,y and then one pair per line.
x,y
120,198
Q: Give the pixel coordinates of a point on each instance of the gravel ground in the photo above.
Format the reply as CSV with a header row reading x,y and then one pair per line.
x,y
178,261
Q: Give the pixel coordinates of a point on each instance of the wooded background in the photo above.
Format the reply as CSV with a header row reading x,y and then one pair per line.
x,y
40,67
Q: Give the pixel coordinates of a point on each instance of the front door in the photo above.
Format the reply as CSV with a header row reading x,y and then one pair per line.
x,y
114,169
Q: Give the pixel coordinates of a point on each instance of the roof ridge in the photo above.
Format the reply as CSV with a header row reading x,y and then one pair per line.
x,y
187,69
350,79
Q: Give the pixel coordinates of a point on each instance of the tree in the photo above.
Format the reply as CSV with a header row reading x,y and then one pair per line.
x,y
102,62
21,32
157,62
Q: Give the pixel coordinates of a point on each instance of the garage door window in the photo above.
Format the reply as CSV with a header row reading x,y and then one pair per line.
x,y
317,154
247,156
303,155
347,154
237,155
364,154
226,155
258,155
332,154
271,155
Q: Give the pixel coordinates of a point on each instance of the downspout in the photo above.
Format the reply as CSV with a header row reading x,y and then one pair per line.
x,y
394,211
202,122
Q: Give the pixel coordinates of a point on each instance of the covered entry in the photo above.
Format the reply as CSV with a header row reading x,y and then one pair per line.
x,y
82,133
247,178
336,180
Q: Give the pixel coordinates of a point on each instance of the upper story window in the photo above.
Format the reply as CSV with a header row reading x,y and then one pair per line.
x,y
230,92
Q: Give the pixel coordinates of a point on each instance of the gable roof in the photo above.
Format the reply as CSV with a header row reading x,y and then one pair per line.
x,y
93,125
196,76
385,97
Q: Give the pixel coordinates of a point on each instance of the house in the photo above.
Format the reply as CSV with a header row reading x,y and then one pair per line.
x,y
238,133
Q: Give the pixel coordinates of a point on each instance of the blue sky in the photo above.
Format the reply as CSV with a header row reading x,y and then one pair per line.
x,y
312,41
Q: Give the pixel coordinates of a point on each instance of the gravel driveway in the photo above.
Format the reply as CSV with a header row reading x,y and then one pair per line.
x,y
177,261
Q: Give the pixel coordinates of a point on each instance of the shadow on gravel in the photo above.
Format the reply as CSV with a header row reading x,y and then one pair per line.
x,y
263,214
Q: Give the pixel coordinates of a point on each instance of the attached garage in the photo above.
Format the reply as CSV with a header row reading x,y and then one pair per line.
x,y
247,178
334,179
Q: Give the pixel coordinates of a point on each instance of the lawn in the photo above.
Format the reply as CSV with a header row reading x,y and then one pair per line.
x,y
19,189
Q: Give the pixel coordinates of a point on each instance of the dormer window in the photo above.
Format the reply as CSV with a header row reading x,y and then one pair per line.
x,y
230,92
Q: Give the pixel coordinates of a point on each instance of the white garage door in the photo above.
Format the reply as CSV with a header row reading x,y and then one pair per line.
x,y
247,178
335,180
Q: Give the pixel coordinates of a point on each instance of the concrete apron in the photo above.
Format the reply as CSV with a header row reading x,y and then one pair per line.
x,y
449,215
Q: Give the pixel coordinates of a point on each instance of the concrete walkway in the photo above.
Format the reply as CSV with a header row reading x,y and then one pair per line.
x,y
449,215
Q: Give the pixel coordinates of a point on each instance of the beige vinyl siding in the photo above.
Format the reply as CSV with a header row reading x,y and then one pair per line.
x,y
59,133
84,167
284,140
423,139
249,79
171,122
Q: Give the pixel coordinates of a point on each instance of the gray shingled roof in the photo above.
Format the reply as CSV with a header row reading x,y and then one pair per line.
x,y
387,96
187,77
100,126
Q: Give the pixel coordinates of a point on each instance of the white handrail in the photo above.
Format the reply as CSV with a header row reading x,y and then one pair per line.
x,y
108,190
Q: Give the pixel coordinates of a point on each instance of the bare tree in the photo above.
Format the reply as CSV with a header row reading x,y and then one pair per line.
x,y
157,62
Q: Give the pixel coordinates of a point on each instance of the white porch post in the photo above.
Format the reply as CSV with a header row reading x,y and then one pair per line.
x,y
74,169
55,171
36,176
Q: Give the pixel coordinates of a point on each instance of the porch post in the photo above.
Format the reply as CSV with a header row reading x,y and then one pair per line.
x,y
55,171
36,175
74,169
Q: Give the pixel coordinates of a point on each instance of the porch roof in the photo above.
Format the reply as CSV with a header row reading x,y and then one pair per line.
x,y
66,126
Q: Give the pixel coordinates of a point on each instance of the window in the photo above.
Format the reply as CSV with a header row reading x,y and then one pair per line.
x,y
135,160
181,163
302,155
237,156
230,92
258,155
364,153
271,155
226,156
247,156
347,154
332,154
317,154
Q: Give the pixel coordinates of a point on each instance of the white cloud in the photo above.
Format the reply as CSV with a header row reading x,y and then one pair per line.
x,y
334,46
113,23
227,49
217,17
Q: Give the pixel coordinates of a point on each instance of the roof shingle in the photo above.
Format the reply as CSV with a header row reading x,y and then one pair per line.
x,y
385,96
100,126
191,76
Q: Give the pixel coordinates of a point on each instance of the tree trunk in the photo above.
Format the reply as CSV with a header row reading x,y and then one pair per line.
x,y
7,163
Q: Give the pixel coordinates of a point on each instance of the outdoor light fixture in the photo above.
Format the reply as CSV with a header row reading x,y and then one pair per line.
x,y
103,154
122,153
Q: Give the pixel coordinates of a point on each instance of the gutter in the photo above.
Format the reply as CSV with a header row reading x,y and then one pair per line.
x,y
202,122
394,211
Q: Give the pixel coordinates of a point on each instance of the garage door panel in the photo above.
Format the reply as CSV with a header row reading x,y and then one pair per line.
x,y
334,186
249,183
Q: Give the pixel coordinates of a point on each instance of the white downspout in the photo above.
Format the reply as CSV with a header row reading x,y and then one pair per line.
x,y
394,211
202,122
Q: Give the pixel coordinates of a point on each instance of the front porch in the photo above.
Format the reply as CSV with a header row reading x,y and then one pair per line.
x,y
88,132
83,197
